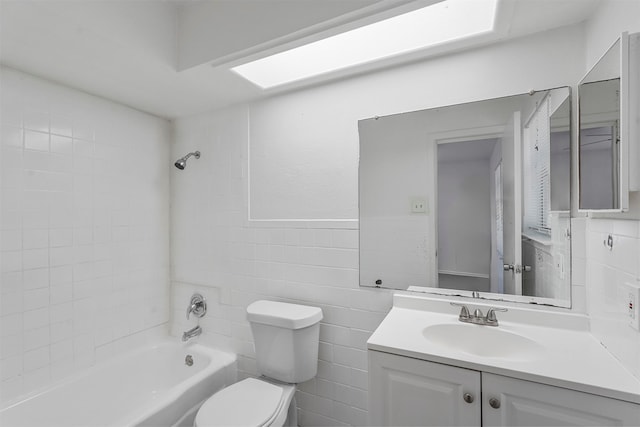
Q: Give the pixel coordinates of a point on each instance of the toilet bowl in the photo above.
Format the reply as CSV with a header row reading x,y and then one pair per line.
x,y
250,402
286,340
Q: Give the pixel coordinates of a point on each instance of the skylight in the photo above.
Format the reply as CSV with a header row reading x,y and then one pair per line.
x,y
430,26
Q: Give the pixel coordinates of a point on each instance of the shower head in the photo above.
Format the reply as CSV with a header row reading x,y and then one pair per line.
x,y
182,162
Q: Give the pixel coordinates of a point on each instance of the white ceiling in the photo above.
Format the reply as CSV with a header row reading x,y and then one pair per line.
x,y
172,58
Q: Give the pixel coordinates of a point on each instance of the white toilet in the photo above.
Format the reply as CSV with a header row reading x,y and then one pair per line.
x,y
286,340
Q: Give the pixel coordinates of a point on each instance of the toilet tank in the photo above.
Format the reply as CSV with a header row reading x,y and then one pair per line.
x,y
286,339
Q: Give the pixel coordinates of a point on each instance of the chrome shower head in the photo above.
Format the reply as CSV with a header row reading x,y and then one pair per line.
x,y
182,162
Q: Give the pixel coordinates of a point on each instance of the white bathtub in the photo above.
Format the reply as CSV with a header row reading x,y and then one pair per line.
x,y
151,386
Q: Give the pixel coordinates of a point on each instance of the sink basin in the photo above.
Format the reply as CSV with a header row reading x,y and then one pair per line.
x,y
484,341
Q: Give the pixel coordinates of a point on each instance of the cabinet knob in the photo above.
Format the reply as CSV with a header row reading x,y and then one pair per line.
x,y
494,403
468,397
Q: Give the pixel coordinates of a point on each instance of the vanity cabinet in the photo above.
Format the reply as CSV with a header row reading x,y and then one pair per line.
x,y
411,392
526,403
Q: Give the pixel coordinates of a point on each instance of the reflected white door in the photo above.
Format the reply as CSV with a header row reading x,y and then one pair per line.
x,y
512,203
497,245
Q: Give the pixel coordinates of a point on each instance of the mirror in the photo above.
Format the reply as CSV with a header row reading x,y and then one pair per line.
x,y
602,175
469,198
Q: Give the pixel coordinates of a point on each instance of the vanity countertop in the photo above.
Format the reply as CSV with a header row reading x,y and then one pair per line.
x,y
571,358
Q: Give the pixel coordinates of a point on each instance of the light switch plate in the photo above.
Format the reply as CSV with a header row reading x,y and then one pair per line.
x,y
418,205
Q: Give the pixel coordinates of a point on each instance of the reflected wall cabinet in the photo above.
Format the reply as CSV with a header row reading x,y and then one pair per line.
x,y
411,392
609,123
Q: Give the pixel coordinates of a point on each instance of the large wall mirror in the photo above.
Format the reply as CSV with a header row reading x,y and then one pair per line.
x,y
469,198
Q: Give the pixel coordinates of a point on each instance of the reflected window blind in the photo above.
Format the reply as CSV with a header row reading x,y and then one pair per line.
x,y
537,185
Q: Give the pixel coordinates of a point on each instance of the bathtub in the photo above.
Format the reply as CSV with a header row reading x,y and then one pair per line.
x,y
152,386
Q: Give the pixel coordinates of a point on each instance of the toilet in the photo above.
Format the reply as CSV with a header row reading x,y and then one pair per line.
x,y
286,340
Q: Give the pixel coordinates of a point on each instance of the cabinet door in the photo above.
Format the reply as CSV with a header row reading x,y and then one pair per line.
x,y
410,392
525,403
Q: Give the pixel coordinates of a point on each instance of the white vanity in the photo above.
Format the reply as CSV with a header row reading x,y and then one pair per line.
x,y
537,367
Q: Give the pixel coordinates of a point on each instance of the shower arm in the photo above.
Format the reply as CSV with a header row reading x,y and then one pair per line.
x,y
196,154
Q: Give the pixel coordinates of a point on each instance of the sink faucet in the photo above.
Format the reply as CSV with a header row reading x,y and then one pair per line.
x,y
193,332
477,318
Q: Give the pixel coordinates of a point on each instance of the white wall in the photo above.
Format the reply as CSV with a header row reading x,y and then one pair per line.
x,y
395,243
464,216
605,26
321,122
596,181
233,261
599,270
560,180
84,220
608,270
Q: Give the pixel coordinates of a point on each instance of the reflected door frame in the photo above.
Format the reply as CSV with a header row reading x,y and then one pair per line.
x,y
512,206
471,134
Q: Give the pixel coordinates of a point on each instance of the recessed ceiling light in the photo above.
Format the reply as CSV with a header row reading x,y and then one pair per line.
x,y
434,25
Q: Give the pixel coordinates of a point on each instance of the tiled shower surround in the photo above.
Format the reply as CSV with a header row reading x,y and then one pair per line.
x,y
85,218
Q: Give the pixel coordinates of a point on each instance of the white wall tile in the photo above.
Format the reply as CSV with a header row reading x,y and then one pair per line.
x,y
607,271
11,346
36,338
34,359
35,258
11,303
11,240
11,367
12,136
36,140
35,299
57,231
35,238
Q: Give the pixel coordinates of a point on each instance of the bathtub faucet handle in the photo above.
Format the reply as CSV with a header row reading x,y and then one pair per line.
x,y
197,306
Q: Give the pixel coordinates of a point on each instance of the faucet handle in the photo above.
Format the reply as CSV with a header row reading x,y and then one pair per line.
x,y
197,306
491,318
464,311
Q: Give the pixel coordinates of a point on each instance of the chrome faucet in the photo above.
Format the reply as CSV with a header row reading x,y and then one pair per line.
x,y
193,332
197,306
477,318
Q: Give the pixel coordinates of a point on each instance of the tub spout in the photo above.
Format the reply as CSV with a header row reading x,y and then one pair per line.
x,y
193,332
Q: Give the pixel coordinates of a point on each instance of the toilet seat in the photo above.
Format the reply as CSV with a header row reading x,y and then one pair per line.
x,y
250,402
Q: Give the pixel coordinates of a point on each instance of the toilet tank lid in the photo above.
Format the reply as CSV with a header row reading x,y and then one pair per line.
x,y
284,315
